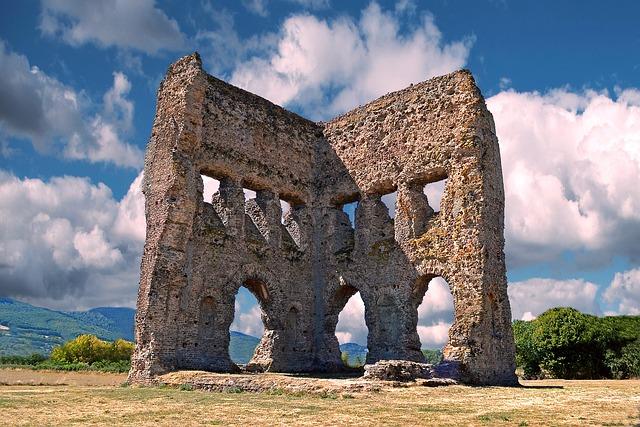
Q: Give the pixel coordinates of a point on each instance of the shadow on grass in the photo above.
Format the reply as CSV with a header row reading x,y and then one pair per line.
x,y
541,387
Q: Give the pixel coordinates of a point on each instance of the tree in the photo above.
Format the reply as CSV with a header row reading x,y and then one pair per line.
x,y
527,354
569,344
89,349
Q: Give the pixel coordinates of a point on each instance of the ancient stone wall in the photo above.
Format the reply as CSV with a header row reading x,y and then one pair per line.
x,y
304,268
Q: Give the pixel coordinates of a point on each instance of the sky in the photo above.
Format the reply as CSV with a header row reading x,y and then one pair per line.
x,y
78,82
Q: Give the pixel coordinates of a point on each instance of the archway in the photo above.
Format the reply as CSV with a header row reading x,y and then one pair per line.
x,y
435,315
351,328
247,328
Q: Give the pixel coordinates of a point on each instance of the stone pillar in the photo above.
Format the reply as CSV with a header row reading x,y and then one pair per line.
x,y
412,212
229,204
269,204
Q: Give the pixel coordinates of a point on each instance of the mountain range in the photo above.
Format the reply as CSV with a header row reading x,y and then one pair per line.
x,y
26,329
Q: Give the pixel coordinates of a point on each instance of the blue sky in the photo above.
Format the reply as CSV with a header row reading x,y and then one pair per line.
x,y
77,99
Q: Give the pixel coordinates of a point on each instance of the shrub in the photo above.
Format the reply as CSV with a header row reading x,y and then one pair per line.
x,y
344,356
527,355
30,360
564,343
90,349
432,356
625,363
570,344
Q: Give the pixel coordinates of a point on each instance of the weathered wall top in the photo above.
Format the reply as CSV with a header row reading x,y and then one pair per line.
x,y
304,265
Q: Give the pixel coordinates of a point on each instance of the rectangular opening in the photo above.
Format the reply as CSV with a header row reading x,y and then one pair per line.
x,y
209,187
434,192
249,194
286,207
350,210
389,201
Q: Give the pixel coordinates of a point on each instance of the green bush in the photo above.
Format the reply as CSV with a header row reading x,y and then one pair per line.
x,y
564,343
30,360
89,349
570,344
63,366
344,356
432,356
527,354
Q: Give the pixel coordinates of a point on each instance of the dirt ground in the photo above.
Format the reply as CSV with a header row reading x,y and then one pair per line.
x,y
54,398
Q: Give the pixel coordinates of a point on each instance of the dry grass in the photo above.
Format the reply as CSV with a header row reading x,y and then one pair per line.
x,y
539,403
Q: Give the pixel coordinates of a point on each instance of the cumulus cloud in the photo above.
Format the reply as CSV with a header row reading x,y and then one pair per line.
x,y
248,315
67,243
138,25
351,325
571,163
328,66
434,336
530,298
624,292
435,314
56,118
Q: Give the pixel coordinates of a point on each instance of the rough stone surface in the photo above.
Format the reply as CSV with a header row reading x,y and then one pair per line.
x,y
304,268
398,370
269,383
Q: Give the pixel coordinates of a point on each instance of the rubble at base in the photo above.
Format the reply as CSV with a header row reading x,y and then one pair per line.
x,y
398,370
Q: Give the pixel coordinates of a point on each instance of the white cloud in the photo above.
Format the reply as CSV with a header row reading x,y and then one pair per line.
x,y
435,314
116,106
406,6
437,302
434,192
532,297
434,336
351,325
130,224
56,118
248,322
328,66
248,314
624,292
138,24
259,7
571,163
67,243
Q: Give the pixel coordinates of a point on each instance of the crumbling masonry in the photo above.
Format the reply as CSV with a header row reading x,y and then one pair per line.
x,y
304,268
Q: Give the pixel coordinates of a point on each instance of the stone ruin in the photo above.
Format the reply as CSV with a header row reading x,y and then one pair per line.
x,y
304,265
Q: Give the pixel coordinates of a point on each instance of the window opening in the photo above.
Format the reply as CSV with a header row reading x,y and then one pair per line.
x,y
352,332
247,328
434,192
435,316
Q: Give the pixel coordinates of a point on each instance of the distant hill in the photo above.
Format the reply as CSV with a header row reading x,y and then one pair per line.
x,y
355,352
242,346
118,319
27,329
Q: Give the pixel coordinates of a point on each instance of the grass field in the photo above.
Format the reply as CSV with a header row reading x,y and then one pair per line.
x,y
95,398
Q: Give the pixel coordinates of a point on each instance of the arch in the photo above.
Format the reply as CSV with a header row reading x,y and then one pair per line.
x,y
432,297
340,294
263,285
